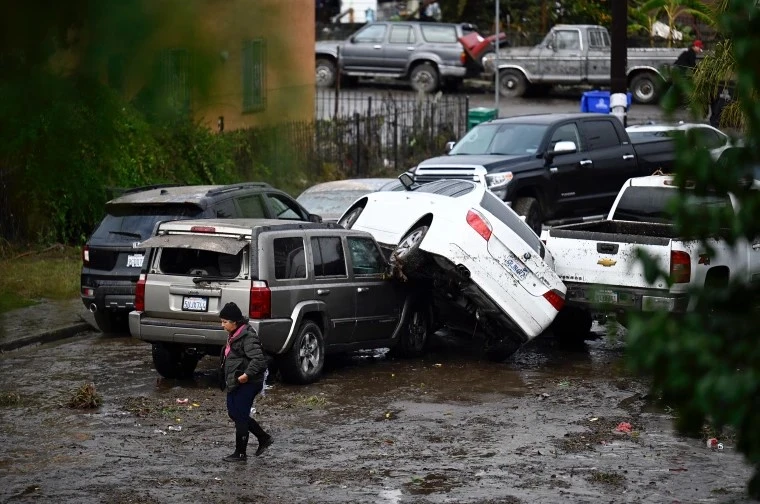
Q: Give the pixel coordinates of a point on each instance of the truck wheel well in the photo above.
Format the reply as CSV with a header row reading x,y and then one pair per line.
x,y
327,57
316,317
424,221
531,192
419,62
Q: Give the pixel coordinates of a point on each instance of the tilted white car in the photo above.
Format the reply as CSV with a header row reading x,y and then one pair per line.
x,y
485,264
711,138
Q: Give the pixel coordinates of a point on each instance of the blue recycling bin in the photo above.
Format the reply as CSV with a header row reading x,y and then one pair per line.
x,y
599,102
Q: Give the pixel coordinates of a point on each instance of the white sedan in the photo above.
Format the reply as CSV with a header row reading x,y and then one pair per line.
x,y
712,138
480,257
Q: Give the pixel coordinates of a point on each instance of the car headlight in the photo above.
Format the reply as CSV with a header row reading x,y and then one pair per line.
x,y
498,180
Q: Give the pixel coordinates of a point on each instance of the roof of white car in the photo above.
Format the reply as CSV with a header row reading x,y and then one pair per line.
x,y
665,126
652,181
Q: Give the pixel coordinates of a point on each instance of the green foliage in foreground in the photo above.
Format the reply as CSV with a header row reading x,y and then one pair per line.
x,y
706,365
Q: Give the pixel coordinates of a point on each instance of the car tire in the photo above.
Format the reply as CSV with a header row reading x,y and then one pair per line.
x,y
326,73
512,84
304,361
111,323
349,219
646,88
531,209
572,325
172,361
407,256
424,78
415,334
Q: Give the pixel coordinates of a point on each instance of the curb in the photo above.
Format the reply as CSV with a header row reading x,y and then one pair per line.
x,y
46,337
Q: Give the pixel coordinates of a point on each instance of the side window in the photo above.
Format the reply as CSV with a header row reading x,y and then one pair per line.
x,y
251,207
566,133
568,39
373,33
289,259
284,208
401,35
254,75
598,39
365,256
601,134
439,33
709,138
329,259
225,209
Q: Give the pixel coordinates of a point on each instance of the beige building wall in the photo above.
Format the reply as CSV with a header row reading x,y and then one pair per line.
x,y
287,28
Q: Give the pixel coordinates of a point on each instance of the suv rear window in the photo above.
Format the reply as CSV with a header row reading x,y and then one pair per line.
x,y
133,222
184,261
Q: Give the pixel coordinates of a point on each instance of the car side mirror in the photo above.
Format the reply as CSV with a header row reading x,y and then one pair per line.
x,y
449,146
406,180
315,218
562,147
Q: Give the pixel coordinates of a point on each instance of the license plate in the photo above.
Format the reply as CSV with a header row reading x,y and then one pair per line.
x,y
135,260
195,303
517,268
606,297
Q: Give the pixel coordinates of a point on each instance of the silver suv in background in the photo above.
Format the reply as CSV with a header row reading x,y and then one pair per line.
x,y
309,289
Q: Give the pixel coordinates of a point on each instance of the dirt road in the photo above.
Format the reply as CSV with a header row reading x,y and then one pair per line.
x,y
450,428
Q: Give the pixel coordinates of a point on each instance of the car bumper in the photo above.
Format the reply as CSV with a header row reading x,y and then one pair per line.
x,y
452,71
273,333
606,299
530,315
110,295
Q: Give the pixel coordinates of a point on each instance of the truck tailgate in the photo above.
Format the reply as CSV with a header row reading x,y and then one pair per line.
x,y
600,258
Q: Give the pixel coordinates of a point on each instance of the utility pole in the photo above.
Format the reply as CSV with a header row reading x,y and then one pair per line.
x,y
619,55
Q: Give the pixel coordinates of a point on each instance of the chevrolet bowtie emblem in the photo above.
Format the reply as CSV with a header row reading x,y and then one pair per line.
x,y
606,262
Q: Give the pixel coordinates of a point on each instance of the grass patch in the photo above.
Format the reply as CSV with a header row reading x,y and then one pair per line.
x,y
9,399
607,478
28,275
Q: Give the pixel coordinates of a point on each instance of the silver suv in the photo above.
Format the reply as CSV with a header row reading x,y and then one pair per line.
x,y
309,289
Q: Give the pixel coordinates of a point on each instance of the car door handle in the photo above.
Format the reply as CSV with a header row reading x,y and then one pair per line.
x,y
362,289
411,48
585,162
323,292
626,157
377,47
553,169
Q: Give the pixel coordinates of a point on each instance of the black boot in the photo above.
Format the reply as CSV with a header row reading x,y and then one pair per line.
x,y
265,440
241,443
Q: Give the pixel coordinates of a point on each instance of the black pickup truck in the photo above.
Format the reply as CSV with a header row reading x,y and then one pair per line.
x,y
551,166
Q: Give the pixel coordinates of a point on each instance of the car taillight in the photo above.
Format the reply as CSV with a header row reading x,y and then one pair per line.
x,y
479,223
555,298
140,293
680,267
463,57
260,302
86,255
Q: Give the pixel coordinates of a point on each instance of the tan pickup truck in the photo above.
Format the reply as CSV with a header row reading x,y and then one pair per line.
x,y
578,55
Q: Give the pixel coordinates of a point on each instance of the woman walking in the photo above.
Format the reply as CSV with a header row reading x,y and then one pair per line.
x,y
244,367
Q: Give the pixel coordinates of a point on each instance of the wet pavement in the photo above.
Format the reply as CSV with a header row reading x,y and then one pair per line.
x,y
451,427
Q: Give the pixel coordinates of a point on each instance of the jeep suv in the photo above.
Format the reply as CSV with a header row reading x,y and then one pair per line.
x,y
112,258
309,289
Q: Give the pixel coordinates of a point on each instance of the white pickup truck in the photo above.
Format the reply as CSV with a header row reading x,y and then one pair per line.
x,y
598,260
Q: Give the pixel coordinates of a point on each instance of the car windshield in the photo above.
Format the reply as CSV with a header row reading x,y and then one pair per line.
x,y
502,139
136,223
653,204
329,203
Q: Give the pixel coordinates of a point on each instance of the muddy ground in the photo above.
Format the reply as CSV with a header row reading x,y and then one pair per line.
x,y
451,427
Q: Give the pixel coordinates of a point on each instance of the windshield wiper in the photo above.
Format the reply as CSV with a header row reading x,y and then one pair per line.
x,y
126,233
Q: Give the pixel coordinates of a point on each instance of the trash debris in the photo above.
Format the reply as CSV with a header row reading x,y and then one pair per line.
x,y
624,427
175,427
437,365
196,405
712,442
159,431
594,419
720,446
543,396
182,401
217,479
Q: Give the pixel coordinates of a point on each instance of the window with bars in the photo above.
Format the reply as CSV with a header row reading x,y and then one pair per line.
x,y
175,79
254,75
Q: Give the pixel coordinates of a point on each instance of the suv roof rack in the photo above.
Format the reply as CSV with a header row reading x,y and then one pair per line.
x,y
118,191
232,187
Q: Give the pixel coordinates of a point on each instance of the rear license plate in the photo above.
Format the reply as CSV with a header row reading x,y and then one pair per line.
x,y
195,304
135,260
606,297
517,268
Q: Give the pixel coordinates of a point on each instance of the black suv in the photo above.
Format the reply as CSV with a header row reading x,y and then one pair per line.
x,y
111,259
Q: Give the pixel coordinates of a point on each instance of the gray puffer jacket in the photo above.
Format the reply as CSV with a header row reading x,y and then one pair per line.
x,y
246,356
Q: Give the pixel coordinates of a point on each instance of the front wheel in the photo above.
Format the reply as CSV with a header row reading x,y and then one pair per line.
x,y
646,87
304,361
326,73
408,257
424,78
531,209
415,334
